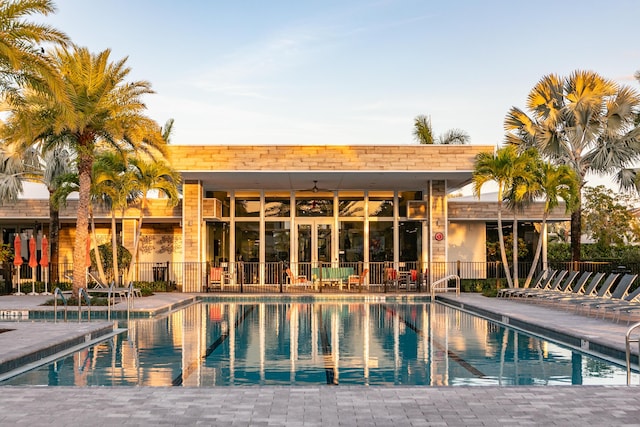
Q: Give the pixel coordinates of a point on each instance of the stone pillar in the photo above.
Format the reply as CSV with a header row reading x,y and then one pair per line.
x,y
438,229
192,235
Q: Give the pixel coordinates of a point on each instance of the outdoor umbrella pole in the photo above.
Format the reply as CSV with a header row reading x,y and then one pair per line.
x,y
44,263
17,259
33,263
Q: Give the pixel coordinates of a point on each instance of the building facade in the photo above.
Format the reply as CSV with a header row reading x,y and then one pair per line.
x,y
301,207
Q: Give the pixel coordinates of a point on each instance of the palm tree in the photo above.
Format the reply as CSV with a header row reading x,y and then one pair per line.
x,y
583,121
100,109
114,180
520,194
32,165
423,133
21,57
504,167
152,176
552,183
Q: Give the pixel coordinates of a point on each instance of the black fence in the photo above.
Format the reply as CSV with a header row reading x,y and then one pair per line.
x,y
276,277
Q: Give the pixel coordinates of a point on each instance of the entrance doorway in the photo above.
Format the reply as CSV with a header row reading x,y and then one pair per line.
x,y
315,242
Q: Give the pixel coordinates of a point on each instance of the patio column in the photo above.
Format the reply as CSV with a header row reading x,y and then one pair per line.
x,y
438,229
192,233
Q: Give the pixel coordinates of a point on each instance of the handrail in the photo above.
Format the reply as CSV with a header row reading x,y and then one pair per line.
x,y
445,280
82,292
628,341
57,292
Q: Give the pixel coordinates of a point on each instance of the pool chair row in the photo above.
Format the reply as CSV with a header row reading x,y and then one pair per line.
x,y
607,295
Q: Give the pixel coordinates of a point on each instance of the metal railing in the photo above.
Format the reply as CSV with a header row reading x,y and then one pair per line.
x,y
628,341
271,277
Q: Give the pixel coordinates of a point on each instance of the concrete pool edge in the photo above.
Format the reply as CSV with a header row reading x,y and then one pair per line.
x,y
585,340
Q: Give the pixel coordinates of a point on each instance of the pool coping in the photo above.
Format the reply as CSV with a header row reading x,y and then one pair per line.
x,y
584,341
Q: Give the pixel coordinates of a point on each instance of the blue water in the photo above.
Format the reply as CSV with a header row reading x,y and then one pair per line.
x,y
319,343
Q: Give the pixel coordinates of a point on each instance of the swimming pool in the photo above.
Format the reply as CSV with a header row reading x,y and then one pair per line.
x,y
329,342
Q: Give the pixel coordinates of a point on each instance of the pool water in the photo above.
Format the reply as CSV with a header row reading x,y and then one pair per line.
x,y
322,343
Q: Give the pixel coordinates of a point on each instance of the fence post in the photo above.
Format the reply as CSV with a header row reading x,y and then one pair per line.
x,y
280,270
241,274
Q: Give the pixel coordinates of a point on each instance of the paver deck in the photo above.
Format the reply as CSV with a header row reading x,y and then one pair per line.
x,y
311,406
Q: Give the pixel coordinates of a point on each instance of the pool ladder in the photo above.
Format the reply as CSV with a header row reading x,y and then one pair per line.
x,y
628,341
82,293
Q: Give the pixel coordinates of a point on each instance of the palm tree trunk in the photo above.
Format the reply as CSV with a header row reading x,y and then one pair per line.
x,y
134,255
515,250
576,233
534,264
96,250
54,240
114,248
503,253
82,224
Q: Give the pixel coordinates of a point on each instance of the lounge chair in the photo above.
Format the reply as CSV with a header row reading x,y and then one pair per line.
x,y
620,292
541,281
566,288
603,291
557,281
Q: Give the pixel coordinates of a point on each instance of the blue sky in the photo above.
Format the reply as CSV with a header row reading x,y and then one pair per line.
x,y
349,72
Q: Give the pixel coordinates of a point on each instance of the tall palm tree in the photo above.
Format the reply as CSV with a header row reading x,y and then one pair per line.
x,y
100,109
520,194
552,184
114,180
503,167
423,133
21,54
152,176
583,121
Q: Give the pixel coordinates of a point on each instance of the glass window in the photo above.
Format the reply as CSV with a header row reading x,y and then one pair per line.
x,y
410,234
248,207
381,205
351,205
309,207
403,197
248,241
351,241
277,241
218,242
381,241
277,207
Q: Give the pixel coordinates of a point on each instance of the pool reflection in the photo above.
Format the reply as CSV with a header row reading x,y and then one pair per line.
x,y
330,343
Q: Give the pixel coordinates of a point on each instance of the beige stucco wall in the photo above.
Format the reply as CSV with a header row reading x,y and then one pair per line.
x,y
467,243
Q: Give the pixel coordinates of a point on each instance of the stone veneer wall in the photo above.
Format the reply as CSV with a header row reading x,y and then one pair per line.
x,y
488,211
325,157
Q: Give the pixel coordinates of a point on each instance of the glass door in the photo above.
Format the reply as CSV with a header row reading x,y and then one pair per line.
x,y
314,239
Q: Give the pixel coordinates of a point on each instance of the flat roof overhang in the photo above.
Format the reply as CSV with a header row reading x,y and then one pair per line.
x,y
326,180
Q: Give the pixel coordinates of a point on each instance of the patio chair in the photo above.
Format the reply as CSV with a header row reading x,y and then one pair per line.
x,y
216,279
294,280
357,280
390,277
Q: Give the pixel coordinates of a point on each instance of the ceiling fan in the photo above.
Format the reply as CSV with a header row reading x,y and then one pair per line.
x,y
315,188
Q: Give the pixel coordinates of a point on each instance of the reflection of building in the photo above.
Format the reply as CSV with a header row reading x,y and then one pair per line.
x,y
301,205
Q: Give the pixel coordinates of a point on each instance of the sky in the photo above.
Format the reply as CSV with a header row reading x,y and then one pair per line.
x,y
349,72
